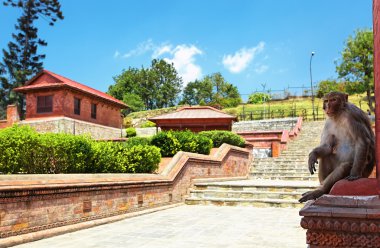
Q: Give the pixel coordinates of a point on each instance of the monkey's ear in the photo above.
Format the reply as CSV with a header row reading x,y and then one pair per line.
x,y
346,97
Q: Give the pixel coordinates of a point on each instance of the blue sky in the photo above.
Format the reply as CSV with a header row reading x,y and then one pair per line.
x,y
250,42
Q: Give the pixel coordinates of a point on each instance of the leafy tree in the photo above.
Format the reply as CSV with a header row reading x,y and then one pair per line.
x,y
327,86
356,64
211,90
21,60
258,98
167,82
133,101
148,88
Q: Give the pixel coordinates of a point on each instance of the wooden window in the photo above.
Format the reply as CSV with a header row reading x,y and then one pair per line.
x,y
93,110
44,104
76,106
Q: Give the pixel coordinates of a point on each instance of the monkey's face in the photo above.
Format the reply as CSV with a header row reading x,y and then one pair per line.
x,y
333,104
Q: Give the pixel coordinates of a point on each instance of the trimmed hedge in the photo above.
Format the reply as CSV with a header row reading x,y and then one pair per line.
x,y
172,142
167,142
130,132
133,141
219,137
25,151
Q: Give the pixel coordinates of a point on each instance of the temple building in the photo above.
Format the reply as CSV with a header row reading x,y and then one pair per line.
x,y
195,119
57,104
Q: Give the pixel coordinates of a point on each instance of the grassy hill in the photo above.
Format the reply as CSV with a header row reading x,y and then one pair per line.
x,y
296,104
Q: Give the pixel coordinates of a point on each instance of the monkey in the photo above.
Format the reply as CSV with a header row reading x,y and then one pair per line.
x,y
347,148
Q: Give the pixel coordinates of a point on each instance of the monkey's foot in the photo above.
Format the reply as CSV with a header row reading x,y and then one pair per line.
x,y
352,178
311,195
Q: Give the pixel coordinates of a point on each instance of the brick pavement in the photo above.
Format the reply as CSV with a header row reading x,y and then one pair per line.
x,y
192,227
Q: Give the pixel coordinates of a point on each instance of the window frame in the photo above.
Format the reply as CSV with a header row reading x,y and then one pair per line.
x,y
44,105
94,109
77,103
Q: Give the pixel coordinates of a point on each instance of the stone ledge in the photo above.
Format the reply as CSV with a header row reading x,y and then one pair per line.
x,y
29,237
28,204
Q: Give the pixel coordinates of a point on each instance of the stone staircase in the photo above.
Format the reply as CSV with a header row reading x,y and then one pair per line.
x,y
273,182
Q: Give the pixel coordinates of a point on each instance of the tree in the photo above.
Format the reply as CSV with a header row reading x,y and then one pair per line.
x,y
356,65
258,98
21,60
327,86
155,87
134,102
167,83
211,90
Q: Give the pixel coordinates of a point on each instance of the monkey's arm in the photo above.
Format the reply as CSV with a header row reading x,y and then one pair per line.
x,y
321,151
360,160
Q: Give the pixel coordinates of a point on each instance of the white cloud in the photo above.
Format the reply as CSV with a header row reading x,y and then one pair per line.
x,y
240,60
158,51
143,47
183,59
116,54
259,69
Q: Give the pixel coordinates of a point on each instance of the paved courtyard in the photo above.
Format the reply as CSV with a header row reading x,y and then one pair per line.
x,y
192,227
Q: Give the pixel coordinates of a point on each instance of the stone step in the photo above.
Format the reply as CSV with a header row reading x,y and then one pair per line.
x,y
206,194
290,178
281,166
259,185
294,171
284,174
264,203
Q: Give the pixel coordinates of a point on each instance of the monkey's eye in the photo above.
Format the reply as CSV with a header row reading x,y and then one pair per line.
x,y
334,100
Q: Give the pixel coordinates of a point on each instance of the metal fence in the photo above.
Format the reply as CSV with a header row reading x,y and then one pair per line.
x,y
307,114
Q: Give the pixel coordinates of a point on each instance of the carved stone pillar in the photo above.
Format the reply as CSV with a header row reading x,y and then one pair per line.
x,y
342,221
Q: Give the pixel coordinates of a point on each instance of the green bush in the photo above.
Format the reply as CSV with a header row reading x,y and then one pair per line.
x,y
258,98
127,122
25,151
62,153
186,140
167,142
141,158
219,137
191,142
204,144
131,132
106,158
120,158
148,124
133,141
18,145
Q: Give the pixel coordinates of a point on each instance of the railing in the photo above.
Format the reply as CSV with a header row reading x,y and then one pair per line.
x,y
306,114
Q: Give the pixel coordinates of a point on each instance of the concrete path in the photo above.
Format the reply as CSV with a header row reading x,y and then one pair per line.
x,y
192,227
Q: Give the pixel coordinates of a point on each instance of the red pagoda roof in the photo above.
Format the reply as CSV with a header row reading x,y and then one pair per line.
x,y
66,82
202,112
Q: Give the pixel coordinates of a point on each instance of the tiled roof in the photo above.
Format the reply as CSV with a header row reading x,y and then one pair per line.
x,y
63,81
195,113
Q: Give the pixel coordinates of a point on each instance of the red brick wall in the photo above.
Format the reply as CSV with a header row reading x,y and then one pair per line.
x,y
195,125
44,203
63,105
13,116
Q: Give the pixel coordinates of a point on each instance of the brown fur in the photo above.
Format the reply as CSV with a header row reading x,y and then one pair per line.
x,y
347,148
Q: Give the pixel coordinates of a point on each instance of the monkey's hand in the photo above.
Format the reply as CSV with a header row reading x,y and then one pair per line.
x,y
311,195
312,161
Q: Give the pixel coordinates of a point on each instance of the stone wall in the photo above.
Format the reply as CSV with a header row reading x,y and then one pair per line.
x,y
265,125
72,126
32,204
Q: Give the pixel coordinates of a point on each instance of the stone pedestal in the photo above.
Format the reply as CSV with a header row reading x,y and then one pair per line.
x,y
342,221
